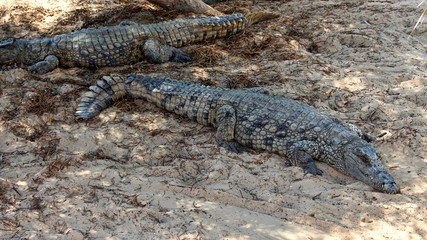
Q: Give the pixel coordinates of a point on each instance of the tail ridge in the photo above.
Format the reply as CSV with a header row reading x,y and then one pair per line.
x,y
101,95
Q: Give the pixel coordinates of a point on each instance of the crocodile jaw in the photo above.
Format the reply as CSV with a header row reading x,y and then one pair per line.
x,y
362,161
386,183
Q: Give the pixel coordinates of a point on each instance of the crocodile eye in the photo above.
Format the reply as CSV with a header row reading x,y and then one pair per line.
x,y
365,158
362,155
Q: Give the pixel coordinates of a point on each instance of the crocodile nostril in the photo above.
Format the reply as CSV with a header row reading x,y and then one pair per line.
x,y
390,187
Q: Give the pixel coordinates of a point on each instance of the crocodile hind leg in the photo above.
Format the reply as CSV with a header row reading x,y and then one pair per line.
x,y
226,123
155,52
300,154
48,64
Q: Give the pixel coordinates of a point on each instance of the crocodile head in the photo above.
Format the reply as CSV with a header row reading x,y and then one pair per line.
x,y
21,51
362,161
8,51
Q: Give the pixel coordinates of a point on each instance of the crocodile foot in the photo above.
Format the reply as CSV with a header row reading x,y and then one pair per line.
x,y
48,64
179,56
231,146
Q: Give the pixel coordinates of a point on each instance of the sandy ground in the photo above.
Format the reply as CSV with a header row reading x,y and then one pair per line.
x,y
136,171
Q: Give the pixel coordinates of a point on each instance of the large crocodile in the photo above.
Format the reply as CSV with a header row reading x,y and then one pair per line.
x,y
123,44
254,119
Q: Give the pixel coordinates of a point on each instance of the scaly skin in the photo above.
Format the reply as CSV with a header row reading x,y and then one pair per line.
x,y
123,44
256,120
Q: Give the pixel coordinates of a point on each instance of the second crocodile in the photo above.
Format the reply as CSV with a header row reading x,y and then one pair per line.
x,y
254,119
123,44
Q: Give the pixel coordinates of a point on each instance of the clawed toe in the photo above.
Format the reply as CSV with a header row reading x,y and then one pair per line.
x,y
313,170
234,147
231,146
180,57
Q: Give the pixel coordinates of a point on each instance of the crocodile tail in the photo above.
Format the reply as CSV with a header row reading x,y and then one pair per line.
x,y
260,16
101,95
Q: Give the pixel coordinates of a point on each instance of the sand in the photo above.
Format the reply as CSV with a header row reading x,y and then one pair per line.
x,y
138,172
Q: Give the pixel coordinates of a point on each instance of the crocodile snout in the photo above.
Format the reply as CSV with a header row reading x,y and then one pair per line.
x,y
390,187
384,182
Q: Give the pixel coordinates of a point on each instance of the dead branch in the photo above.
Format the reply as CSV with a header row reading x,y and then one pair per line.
x,y
196,6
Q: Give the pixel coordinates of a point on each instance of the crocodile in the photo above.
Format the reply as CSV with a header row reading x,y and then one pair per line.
x,y
126,43
253,118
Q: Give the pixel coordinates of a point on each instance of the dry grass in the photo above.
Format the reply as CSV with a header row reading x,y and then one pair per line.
x,y
421,18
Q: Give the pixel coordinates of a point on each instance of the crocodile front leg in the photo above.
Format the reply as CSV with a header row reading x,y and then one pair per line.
x,y
48,64
300,154
155,52
226,124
